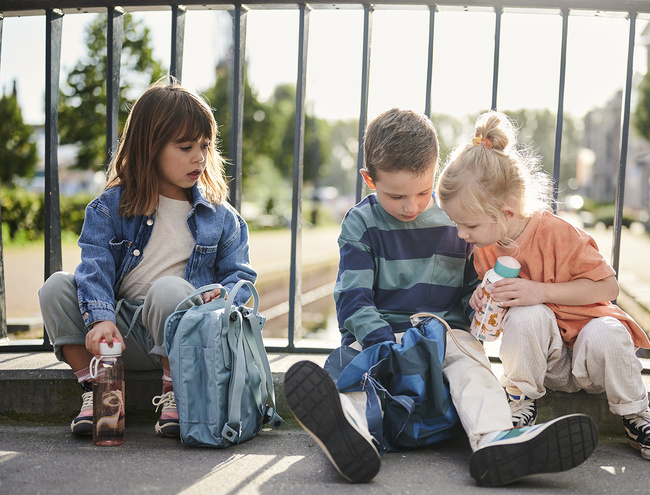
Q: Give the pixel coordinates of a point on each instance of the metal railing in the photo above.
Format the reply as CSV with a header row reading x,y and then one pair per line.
x,y
54,10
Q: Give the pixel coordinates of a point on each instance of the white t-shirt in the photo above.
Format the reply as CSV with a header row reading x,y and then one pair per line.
x,y
167,251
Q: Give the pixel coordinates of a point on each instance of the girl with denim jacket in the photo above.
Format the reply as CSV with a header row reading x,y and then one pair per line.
x,y
160,229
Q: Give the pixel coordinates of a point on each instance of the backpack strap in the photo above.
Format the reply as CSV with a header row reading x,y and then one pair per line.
x,y
253,333
200,291
250,357
233,428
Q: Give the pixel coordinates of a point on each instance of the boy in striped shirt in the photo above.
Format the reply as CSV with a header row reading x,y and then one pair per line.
x,y
400,255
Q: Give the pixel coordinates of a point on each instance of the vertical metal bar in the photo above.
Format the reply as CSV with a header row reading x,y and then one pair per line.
x,y
178,40
365,82
53,255
54,28
625,128
295,280
239,45
3,299
427,103
114,39
560,109
497,45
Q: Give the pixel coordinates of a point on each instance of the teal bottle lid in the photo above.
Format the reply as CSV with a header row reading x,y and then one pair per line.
x,y
507,267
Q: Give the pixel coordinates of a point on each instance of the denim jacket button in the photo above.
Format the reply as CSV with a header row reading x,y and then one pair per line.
x,y
136,252
150,222
86,315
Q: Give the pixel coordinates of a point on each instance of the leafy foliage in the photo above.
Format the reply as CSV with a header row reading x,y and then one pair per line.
x,y
642,113
23,212
82,109
18,152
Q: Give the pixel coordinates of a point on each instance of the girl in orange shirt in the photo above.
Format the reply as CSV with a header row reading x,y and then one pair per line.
x,y
561,331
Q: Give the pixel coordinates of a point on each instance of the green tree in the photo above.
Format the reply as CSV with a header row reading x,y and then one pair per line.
x,y
257,120
642,112
316,149
18,152
82,109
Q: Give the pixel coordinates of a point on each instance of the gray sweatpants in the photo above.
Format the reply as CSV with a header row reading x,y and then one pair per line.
x,y
141,323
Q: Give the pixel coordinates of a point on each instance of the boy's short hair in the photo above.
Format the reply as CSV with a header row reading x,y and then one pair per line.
x,y
400,140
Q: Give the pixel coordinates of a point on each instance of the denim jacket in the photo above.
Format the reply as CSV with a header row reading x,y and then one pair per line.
x,y
112,245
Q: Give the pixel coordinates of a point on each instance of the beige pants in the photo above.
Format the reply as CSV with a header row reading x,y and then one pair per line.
x,y
476,393
602,359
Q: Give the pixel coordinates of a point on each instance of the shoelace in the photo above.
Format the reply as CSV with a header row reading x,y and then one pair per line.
x,y
87,400
641,421
522,409
166,401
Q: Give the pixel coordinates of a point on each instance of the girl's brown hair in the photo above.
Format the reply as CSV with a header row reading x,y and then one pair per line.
x,y
166,112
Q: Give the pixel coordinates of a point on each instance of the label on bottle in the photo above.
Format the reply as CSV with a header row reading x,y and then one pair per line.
x,y
486,325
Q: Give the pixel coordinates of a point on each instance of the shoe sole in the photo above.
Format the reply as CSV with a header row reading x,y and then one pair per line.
x,y
314,400
559,445
645,451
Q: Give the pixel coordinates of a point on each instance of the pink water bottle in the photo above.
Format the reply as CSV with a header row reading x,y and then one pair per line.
x,y
486,325
108,394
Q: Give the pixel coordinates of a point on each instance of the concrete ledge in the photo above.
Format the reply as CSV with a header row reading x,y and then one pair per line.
x,y
36,388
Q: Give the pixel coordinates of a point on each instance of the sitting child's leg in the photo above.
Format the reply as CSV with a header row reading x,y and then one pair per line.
x,y
160,302
333,420
604,359
65,328
533,354
503,454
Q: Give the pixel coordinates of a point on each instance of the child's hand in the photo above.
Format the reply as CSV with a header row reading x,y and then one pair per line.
x,y
212,295
476,301
102,330
517,292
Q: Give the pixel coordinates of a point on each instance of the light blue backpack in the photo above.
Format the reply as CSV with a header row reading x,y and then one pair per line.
x,y
222,379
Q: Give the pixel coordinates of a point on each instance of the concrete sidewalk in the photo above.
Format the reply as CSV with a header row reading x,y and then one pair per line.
x,y
50,460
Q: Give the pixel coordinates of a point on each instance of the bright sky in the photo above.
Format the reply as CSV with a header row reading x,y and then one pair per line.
x,y
463,53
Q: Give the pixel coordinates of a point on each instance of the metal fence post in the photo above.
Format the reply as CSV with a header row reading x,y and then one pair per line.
x,y
365,84
114,39
625,129
239,46
178,40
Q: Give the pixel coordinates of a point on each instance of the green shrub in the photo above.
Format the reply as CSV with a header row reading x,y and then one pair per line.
x,y
23,213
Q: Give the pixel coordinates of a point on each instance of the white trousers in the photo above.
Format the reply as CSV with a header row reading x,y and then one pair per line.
x,y
602,359
476,393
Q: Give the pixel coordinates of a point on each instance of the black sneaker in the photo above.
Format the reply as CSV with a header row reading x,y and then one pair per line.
x,y
637,431
315,402
83,423
558,445
523,410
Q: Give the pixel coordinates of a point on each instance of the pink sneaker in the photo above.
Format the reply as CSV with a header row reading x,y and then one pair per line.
x,y
83,423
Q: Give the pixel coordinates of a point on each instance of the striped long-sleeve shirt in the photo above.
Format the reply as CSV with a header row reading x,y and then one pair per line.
x,y
390,269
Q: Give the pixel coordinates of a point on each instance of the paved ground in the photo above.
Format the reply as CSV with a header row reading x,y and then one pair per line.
x,y
50,460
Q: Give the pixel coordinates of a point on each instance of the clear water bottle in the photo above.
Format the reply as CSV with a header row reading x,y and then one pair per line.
x,y
486,325
108,394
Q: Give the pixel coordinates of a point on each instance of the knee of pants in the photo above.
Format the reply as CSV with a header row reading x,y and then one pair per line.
x,y
604,335
55,285
529,321
165,294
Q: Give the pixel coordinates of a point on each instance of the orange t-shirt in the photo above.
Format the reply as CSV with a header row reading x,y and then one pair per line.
x,y
551,250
